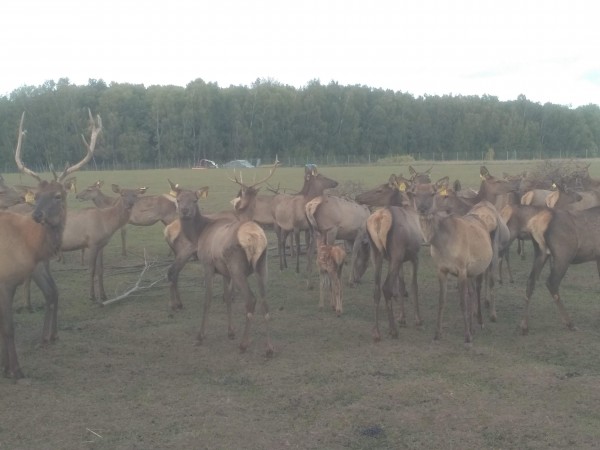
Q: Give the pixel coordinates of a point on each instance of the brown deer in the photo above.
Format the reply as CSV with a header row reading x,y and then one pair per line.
x,y
395,236
146,211
26,245
289,212
568,238
459,245
92,228
338,218
233,249
330,260
244,209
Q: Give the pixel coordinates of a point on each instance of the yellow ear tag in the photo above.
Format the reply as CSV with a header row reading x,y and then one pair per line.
x,y
172,193
553,185
443,192
30,198
482,177
402,187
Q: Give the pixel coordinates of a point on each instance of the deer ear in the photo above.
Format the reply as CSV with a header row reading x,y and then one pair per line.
x,y
411,170
143,189
202,192
116,188
30,197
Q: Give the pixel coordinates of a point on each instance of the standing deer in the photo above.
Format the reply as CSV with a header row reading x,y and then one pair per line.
x,y
92,228
27,243
146,211
330,260
338,218
459,245
568,238
233,249
289,212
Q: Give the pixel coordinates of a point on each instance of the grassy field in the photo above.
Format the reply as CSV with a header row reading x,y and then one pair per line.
x,y
129,375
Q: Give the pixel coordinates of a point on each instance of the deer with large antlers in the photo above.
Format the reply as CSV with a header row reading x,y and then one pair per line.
x,y
27,243
231,248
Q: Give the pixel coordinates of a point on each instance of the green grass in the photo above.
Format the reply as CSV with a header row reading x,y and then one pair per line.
x,y
129,375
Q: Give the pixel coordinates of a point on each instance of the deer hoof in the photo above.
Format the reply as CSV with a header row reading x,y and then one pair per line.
x,y
243,347
231,334
572,327
493,318
270,351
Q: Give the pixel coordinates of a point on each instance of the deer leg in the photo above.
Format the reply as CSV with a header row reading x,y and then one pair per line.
x,y
124,241
414,291
443,282
208,282
100,272
9,361
538,264
377,262
181,259
337,288
43,278
241,282
491,294
389,292
261,273
26,296
323,286
478,282
228,300
557,273
309,264
92,261
465,306
297,238
281,239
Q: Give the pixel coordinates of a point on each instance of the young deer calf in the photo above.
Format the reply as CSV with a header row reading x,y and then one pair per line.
x,y
330,259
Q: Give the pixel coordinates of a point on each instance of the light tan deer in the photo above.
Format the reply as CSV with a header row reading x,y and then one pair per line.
x,y
330,260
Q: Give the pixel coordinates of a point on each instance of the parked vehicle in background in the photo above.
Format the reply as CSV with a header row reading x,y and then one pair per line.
x,y
206,164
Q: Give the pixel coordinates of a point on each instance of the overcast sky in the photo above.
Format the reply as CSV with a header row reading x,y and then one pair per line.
x,y
547,51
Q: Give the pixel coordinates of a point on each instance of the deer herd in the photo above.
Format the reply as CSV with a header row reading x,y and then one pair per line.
x,y
468,233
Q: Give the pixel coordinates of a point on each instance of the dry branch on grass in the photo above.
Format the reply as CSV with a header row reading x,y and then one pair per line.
x,y
139,284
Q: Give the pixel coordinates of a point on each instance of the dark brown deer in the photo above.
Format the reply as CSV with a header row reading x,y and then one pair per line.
x,y
395,236
289,212
568,238
233,249
92,228
146,211
26,245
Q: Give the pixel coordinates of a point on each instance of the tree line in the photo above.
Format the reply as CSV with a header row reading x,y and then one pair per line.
x,y
166,126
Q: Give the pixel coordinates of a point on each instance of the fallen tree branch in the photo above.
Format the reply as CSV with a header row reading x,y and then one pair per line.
x,y
138,286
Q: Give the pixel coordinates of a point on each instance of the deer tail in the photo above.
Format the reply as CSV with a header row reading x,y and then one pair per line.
x,y
253,240
378,226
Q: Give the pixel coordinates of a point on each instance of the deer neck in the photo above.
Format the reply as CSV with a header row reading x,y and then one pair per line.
x,y
104,201
192,228
52,239
117,215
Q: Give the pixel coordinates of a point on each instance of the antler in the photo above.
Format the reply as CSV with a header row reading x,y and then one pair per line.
x,y
18,159
96,129
276,164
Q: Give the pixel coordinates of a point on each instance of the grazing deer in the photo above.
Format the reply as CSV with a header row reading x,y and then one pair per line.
x,y
146,211
92,228
289,212
330,260
231,248
26,245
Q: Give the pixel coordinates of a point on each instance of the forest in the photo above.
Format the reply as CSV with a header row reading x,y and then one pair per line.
x,y
173,126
